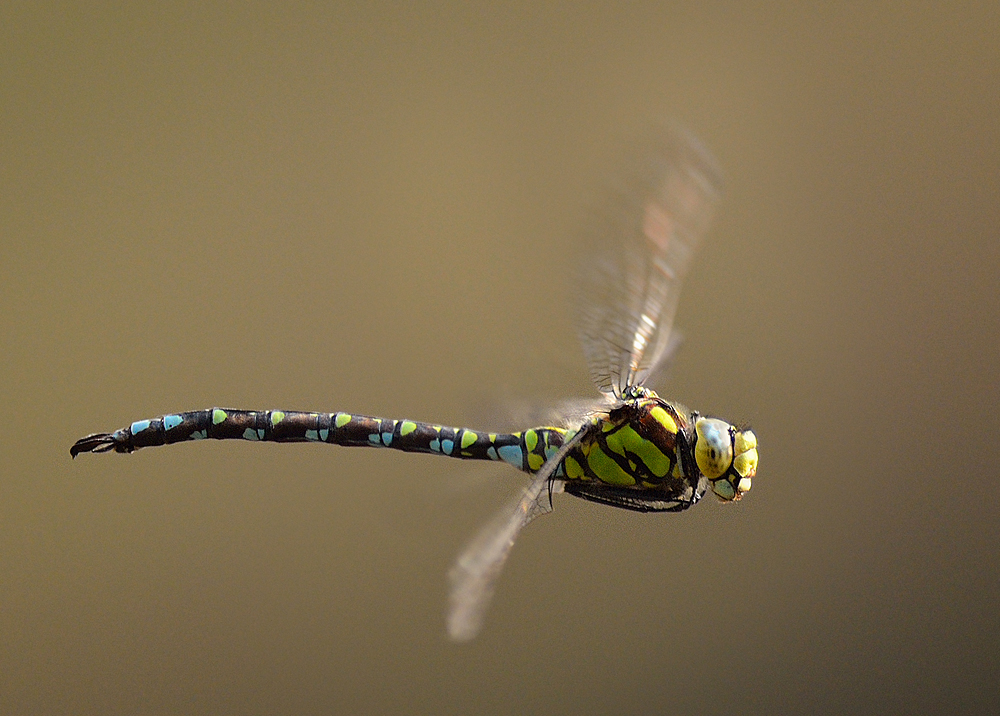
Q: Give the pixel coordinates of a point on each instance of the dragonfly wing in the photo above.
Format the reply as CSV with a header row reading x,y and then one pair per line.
x,y
661,370
630,286
474,576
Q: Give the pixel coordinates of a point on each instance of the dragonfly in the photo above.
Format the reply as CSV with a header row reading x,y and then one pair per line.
x,y
627,448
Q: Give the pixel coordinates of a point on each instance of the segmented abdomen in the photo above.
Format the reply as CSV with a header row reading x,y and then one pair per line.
x,y
526,451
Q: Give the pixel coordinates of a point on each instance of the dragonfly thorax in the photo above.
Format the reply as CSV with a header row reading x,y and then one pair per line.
x,y
642,443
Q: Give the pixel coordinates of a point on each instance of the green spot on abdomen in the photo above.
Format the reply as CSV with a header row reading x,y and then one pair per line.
x,y
407,427
276,417
342,419
468,438
218,415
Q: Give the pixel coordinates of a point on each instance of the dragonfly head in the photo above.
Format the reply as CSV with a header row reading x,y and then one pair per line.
x,y
726,456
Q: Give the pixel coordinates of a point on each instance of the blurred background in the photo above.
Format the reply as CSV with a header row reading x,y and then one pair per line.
x,y
375,207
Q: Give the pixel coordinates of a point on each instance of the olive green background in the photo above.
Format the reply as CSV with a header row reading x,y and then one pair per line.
x,y
374,207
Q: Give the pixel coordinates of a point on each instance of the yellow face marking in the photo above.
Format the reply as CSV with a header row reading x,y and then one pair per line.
x,y
745,464
276,417
218,416
745,440
468,438
342,419
663,418
407,427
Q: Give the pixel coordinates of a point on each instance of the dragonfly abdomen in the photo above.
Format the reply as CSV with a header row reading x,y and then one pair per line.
x,y
526,451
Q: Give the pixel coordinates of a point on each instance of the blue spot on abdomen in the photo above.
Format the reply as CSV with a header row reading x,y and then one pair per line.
x,y
511,454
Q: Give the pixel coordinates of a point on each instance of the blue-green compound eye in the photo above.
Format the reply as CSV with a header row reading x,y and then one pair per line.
x,y
714,449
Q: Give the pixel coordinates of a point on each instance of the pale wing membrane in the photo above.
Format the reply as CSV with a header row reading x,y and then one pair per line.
x,y
630,285
569,413
474,576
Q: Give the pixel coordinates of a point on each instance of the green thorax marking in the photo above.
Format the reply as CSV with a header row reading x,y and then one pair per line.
x,y
638,444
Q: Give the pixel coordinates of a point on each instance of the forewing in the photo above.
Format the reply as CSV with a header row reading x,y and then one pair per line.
x,y
640,253
474,576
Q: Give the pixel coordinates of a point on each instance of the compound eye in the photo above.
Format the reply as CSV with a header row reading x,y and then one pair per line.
x,y
714,449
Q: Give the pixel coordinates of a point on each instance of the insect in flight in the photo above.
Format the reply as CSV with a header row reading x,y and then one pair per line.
x,y
629,449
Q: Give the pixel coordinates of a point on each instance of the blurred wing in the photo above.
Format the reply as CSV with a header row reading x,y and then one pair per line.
x,y
569,414
474,576
630,286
